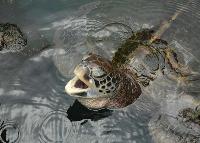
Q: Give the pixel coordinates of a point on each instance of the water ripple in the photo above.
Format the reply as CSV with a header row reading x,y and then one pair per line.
x,y
55,127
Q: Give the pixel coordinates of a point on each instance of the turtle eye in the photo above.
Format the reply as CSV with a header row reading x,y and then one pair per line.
x,y
98,72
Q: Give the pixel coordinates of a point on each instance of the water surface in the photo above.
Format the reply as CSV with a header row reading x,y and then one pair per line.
x,y
33,105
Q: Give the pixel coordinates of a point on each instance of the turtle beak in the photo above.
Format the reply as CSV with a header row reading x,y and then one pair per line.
x,y
80,84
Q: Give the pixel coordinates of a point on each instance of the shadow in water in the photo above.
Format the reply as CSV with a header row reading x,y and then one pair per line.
x,y
3,137
9,132
78,112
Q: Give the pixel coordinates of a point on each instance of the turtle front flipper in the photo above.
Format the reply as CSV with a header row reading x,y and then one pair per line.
x,y
178,71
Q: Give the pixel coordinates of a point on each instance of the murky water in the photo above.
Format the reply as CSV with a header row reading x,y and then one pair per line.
x,y
33,105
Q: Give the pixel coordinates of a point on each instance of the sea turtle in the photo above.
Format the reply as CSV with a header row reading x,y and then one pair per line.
x,y
101,83
178,121
13,40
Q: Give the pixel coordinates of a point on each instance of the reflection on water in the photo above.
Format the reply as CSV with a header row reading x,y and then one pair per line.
x,y
35,108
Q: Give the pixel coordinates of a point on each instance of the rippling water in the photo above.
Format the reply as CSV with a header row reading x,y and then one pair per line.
x,y
33,105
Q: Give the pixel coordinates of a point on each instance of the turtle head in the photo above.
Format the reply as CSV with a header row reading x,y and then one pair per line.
x,y
92,78
11,38
97,84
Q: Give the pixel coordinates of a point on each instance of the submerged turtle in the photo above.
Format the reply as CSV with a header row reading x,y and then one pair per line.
x,y
191,115
177,121
100,83
13,40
